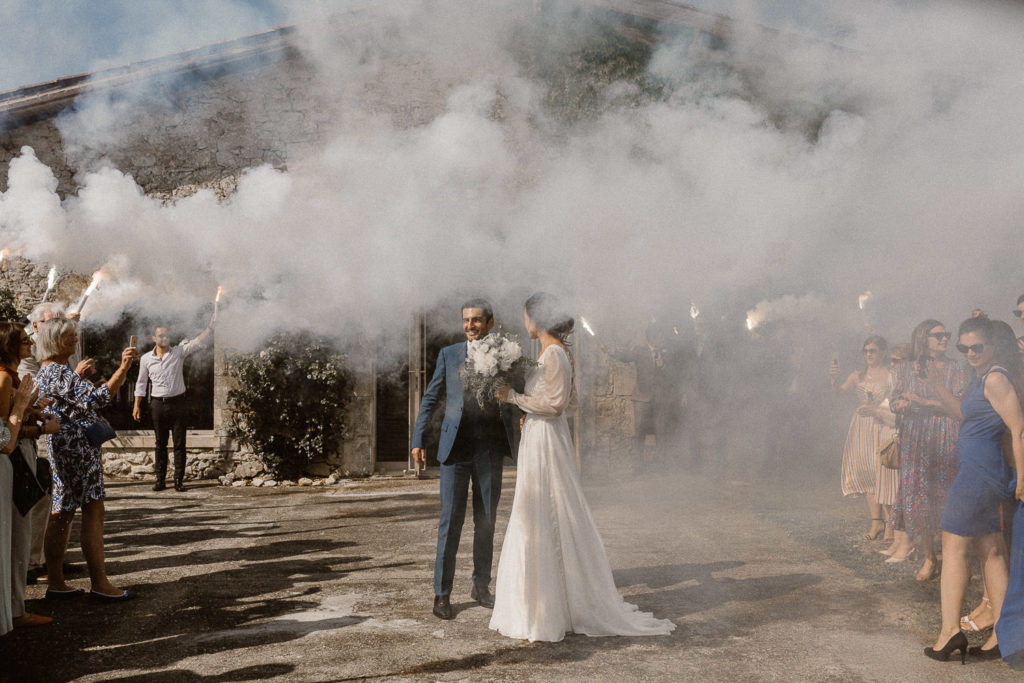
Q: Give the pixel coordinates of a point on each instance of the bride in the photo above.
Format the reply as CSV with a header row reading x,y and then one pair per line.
x,y
553,575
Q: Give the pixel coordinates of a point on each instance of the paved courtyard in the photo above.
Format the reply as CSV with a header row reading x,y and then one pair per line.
x,y
765,581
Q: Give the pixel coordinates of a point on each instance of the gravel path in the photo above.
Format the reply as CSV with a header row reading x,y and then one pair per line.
x,y
766,581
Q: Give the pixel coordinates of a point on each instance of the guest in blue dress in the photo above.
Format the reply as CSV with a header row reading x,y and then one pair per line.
x,y
971,516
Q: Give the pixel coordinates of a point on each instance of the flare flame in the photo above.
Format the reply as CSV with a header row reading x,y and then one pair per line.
x,y
96,277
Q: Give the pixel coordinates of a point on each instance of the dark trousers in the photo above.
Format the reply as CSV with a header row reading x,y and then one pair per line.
x,y
480,471
168,420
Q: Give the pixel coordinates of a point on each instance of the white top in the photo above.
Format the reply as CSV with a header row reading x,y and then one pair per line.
x,y
550,389
167,373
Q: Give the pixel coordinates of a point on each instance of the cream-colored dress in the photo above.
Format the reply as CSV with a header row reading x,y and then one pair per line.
x,y
553,575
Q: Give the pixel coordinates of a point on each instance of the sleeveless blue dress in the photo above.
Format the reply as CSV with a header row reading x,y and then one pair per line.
x,y
1010,627
982,476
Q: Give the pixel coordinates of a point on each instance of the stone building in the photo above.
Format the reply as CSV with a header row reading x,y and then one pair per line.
x,y
198,119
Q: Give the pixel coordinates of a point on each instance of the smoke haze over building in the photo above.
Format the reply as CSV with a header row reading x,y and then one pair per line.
x,y
878,150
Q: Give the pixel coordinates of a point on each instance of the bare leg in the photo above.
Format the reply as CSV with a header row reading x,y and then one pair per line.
x,y
903,547
991,550
931,560
92,547
55,544
955,575
877,520
890,530
981,617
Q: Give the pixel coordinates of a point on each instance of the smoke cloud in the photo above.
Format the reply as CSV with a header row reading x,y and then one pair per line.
x,y
872,151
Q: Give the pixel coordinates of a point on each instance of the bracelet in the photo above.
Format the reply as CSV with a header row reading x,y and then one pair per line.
x,y
15,420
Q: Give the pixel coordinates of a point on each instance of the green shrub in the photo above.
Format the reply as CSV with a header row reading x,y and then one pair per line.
x,y
290,401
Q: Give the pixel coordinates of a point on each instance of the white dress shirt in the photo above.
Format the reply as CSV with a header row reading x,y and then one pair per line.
x,y
167,373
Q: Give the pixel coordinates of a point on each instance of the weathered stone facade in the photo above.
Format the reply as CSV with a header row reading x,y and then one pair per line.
x,y
192,126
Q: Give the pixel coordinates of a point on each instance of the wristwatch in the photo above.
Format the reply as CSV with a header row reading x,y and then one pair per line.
x,y
15,420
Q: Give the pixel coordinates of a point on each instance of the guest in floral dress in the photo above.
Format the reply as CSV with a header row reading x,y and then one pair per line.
x,y
926,396
77,464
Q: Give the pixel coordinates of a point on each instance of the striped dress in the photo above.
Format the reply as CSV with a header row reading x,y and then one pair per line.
x,y
866,435
888,487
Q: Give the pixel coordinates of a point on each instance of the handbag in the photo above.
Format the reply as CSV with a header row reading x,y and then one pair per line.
x,y
25,489
99,433
889,453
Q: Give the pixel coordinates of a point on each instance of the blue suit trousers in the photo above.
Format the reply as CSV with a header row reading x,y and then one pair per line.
x,y
481,472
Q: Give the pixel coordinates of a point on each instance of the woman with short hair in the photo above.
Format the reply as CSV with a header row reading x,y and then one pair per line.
x,y
77,463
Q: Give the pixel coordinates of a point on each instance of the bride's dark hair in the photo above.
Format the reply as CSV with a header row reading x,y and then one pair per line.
x,y
545,310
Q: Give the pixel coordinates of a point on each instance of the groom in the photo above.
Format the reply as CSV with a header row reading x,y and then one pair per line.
x,y
474,442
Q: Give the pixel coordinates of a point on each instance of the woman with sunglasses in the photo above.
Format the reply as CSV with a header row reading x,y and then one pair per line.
x,y
971,517
927,391
867,432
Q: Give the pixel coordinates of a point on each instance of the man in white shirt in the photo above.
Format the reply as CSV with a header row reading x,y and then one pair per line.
x,y
164,366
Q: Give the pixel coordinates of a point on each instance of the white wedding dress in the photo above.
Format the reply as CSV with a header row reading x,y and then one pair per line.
x,y
553,575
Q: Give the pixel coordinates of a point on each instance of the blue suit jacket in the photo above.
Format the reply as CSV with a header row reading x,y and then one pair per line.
x,y
446,379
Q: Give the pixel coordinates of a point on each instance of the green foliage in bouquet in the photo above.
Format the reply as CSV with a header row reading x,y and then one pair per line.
x,y
290,401
492,361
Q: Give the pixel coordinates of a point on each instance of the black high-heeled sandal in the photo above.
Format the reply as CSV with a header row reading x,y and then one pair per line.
x,y
870,536
957,642
994,653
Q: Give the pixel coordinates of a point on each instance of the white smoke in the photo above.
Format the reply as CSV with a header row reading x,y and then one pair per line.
x,y
786,166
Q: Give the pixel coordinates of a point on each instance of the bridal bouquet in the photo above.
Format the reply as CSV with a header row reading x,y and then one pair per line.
x,y
490,362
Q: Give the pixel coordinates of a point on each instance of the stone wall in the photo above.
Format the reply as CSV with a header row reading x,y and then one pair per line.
x,y
178,134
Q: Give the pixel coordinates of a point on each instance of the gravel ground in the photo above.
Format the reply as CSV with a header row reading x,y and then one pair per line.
x,y
766,581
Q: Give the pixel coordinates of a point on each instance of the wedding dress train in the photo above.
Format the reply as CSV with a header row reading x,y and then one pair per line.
x,y
553,575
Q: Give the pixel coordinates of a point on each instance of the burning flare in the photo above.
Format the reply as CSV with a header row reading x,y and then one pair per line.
x,y
863,299
216,299
51,280
4,253
694,311
96,277
586,326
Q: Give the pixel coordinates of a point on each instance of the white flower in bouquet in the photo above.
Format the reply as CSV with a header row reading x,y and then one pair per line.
x,y
490,362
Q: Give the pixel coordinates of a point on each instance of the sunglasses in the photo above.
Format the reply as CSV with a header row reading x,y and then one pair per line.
x,y
869,350
976,348
941,336
1017,312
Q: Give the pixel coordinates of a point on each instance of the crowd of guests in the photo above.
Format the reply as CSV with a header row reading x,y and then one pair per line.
x,y
44,392
958,429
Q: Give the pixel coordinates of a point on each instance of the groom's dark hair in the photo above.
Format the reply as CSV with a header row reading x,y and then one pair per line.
x,y
482,304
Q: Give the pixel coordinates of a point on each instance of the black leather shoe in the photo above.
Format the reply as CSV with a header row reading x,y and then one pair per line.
x,y
483,596
978,653
178,486
159,486
443,607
